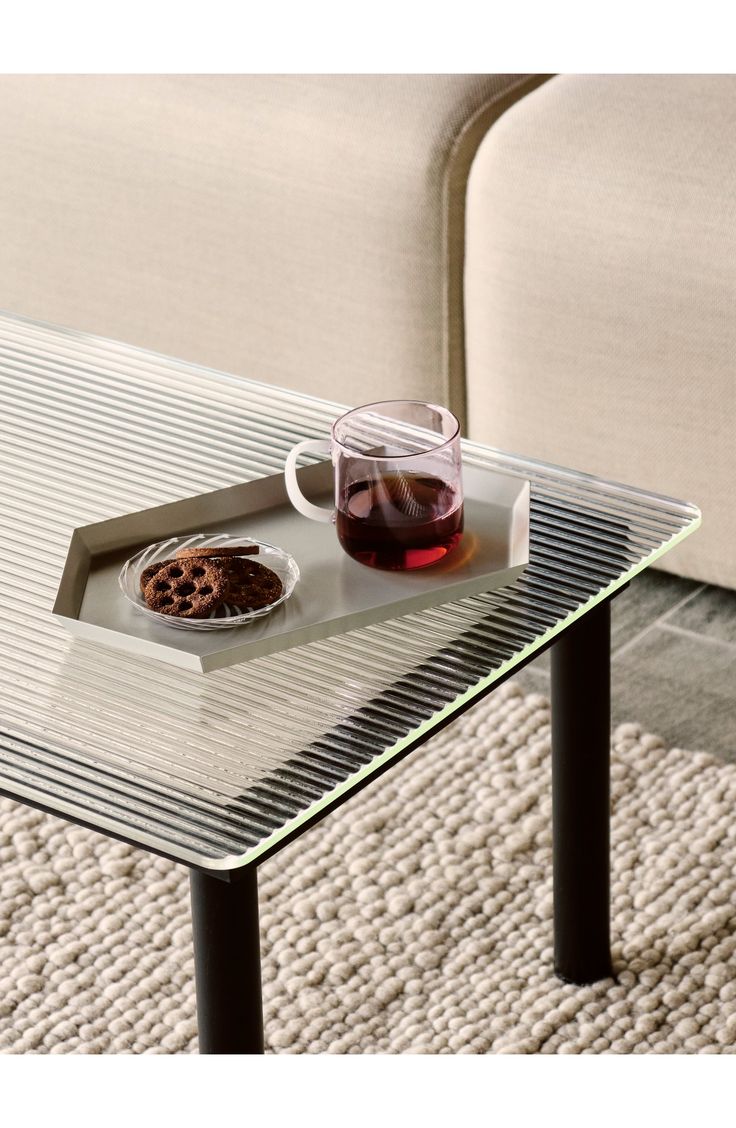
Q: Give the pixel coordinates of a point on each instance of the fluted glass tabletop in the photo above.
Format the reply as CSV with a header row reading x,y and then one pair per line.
x,y
215,770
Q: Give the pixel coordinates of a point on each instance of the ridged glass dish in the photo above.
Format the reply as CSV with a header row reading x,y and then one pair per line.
x,y
227,615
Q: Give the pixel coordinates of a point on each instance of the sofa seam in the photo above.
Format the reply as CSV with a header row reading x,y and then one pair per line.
x,y
458,164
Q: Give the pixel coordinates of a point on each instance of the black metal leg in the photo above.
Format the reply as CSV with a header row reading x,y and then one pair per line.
x,y
581,734
227,963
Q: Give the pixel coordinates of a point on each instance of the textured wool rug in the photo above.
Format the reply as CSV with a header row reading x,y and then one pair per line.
x,y
415,919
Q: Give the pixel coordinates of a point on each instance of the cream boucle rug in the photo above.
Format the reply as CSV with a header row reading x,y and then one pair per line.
x,y
415,919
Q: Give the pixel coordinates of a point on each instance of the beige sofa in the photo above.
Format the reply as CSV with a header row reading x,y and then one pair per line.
x,y
553,257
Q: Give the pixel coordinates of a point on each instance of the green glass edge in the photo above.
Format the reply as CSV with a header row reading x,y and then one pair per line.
x,y
426,727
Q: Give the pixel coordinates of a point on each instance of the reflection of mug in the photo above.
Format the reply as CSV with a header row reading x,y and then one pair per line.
x,y
398,483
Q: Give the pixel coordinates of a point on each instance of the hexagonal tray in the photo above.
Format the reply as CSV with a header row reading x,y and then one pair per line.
x,y
335,593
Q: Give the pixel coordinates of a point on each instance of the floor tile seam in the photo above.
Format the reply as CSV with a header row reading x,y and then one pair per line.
x,y
682,602
659,621
695,635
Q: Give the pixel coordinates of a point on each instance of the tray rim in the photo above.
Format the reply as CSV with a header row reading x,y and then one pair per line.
x,y
94,540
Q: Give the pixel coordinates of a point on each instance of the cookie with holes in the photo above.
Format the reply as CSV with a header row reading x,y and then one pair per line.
x,y
251,585
188,589
151,571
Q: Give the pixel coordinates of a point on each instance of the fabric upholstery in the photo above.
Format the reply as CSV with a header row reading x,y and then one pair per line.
x,y
287,227
600,285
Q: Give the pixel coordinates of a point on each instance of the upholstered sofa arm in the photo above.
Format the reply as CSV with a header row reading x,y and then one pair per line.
x,y
600,288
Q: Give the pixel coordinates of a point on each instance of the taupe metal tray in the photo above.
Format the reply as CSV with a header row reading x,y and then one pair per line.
x,y
335,593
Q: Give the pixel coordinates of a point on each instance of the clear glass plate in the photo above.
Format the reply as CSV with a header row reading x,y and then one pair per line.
x,y
227,615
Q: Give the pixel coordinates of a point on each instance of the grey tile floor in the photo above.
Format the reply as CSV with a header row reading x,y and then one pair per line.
x,y
673,662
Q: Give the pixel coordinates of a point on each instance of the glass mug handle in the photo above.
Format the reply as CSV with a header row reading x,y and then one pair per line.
x,y
296,497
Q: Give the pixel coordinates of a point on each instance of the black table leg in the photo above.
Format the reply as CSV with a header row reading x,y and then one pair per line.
x,y
227,963
581,734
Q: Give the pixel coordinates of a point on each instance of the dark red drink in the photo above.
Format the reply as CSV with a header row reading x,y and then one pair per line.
x,y
399,520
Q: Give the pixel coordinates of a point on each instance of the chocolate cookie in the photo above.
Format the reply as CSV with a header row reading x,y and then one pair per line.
x,y
151,570
189,589
213,550
251,585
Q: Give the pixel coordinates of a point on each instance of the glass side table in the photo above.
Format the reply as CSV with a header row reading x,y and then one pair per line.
x,y
219,771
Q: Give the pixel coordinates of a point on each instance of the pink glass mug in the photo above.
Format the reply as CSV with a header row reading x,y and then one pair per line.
x,y
398,483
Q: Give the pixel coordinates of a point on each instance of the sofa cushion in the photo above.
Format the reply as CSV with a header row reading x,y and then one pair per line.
x,y
601,286
286,227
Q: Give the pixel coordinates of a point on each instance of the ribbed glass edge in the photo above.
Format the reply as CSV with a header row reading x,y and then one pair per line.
x,y
552,470
331,798
513,464
505,459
